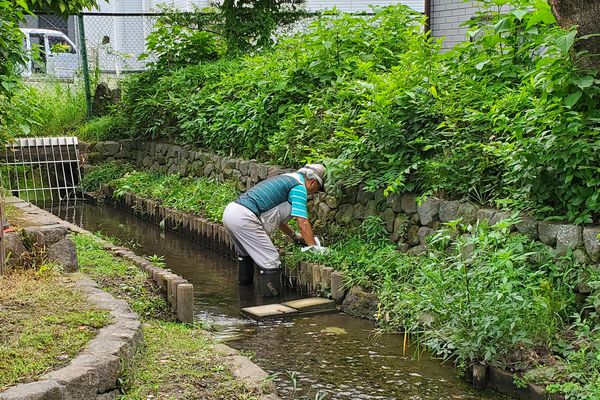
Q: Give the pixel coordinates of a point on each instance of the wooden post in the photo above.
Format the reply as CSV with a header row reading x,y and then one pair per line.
x,y
185,302
172,291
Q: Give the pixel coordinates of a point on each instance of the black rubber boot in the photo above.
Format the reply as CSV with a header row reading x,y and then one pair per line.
x,y
270,282
245,270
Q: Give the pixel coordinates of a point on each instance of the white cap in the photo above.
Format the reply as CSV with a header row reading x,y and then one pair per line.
x,y
314,170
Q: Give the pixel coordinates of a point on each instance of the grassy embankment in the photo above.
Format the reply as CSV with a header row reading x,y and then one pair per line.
x,y
45,323
177,360
481,293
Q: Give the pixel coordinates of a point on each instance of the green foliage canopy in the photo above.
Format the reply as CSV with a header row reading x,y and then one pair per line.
x,y
506,118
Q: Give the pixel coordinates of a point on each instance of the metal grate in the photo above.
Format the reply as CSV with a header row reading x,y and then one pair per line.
x,y
41,169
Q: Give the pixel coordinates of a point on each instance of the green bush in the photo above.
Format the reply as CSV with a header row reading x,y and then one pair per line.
x,y
479,293
176,45
505,119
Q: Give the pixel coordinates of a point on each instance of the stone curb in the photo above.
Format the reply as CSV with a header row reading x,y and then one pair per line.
x,y
166,281
115,344
501,381
244,369
93,373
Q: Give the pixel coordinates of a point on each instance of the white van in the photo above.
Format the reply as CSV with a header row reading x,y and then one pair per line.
x,y
50,52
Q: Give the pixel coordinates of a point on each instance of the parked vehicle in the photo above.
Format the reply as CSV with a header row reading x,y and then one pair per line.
x,y
49,52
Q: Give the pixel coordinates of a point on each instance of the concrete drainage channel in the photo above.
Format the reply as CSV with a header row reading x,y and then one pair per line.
x,y
306,278
93,374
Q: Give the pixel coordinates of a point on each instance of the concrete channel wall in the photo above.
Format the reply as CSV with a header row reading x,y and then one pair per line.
x,y
305,277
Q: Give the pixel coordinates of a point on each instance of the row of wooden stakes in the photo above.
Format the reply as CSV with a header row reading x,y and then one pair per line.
x,y
207,233
306,277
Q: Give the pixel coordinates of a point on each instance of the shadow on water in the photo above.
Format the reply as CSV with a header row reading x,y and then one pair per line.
x,y
328,356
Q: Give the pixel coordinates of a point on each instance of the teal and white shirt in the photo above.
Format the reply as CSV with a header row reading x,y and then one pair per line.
x,y
277,199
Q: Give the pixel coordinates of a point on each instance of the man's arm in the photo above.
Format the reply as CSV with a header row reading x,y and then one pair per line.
x,y
306,231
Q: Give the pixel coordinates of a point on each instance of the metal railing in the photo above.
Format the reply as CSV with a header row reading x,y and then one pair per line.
x,y
41,169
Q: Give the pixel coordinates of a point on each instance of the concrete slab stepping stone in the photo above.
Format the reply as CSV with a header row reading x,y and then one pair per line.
x,y
312,305
268,311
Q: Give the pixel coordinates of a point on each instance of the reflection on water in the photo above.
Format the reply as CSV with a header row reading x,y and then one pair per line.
x,y
330,355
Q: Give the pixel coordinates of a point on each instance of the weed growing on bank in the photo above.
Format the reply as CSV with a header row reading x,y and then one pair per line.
x,y
103,174
52,108
202,196
121,278
107,127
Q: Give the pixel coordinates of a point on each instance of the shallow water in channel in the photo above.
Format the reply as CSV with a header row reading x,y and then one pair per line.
x,y
330,355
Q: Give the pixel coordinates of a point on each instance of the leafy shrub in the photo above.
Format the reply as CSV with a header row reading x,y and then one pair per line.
x,y
155,104
505,118
478,294
175,45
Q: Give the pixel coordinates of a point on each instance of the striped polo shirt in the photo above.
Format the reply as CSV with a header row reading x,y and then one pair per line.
x,y
274,191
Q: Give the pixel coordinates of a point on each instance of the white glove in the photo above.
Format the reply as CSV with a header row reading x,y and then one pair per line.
x,y
317,248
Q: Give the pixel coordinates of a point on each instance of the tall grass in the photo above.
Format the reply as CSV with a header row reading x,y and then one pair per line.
x,y
58,108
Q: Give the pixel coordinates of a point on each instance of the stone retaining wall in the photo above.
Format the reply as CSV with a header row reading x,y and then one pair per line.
x,y
407,222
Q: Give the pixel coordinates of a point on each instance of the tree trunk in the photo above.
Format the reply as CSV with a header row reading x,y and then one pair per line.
x,y
585,14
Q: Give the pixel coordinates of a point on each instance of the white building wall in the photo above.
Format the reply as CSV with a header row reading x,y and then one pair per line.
x,y
448,17
360,5
115,42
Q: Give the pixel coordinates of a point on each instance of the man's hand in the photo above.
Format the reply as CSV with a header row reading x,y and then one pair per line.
x,y
297,238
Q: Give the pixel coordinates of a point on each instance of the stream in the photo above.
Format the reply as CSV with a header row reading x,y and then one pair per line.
x,y
326,356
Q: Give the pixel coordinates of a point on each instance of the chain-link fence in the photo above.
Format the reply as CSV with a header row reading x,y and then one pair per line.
x,y
70,55
113,43
82,51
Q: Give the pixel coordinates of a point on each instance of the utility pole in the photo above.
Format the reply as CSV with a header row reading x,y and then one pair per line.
x,y
84,65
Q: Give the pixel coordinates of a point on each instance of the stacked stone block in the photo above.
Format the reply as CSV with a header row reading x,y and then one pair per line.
x,y
407,221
